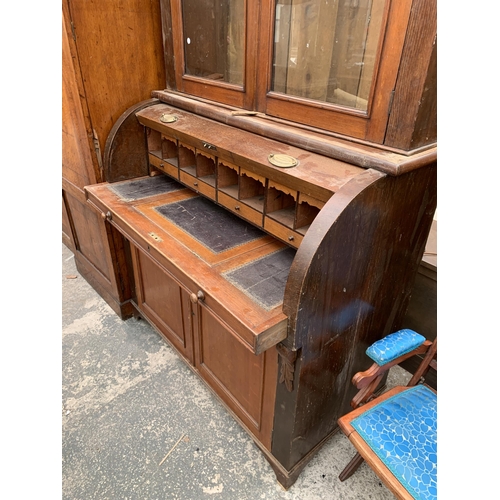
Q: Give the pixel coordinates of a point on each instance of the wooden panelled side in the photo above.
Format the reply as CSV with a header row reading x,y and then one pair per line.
x,y
349,285
84,231
112,58
120,51
77,161
413,119
90,235
425,131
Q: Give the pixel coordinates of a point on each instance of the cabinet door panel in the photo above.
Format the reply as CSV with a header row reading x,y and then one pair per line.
x,y
164,302
244,381
90,236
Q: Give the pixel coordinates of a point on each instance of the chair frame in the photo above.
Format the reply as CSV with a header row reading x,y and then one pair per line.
x,y
367,382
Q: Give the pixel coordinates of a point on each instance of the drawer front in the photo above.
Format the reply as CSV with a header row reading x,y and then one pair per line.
x,y
240,208
197,185
164,166
283,233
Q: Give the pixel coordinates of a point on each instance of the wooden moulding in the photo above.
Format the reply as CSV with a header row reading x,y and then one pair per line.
x,y
413,116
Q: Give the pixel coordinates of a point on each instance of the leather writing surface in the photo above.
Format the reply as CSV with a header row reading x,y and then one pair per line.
x,y
144,187
211,225
264,279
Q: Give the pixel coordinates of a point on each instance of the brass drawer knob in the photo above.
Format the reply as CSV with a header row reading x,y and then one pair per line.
x,y
291,238
237,207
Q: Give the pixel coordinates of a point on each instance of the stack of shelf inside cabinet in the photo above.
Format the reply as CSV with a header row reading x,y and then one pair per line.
x,y
232,168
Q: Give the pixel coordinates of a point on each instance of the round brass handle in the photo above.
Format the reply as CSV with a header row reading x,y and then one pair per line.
x,y
195,183
291,238
196,297
237,207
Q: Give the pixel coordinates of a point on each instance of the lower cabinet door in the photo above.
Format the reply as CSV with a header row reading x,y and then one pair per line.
x,y
164,302
244,381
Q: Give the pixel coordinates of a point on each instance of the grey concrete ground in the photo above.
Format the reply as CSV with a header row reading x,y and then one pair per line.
x,y
139,424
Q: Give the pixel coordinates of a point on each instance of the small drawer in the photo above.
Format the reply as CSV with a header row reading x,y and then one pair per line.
x,y
240,208
282,232
164,166
197,185
207,190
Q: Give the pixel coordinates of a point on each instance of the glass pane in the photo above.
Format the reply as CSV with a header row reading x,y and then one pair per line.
x,y
325,49
214,37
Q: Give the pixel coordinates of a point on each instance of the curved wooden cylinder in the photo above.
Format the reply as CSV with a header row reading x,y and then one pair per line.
x,y
349,285
125,153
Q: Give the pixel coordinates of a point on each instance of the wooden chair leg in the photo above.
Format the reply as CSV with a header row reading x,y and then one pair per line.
x,y
351,467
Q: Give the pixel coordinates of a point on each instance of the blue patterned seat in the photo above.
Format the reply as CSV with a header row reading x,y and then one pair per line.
x,y
394,345
402,431
396,432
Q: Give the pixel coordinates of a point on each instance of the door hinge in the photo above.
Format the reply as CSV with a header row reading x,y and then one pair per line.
x,y
97,149
73,32
391,100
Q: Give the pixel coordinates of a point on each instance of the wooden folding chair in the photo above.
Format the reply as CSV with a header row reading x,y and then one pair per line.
x,y
396,432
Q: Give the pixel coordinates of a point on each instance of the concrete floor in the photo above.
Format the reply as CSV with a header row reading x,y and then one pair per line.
x,y
139,424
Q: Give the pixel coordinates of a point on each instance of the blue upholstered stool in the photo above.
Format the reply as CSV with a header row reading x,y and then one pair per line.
x,y
402,431
396,432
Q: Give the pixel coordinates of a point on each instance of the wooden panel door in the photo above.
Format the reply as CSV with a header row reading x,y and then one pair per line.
x,y
164,302
244,381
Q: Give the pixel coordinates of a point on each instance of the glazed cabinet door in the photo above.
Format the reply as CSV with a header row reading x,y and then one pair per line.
x,y
164,302
244,381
